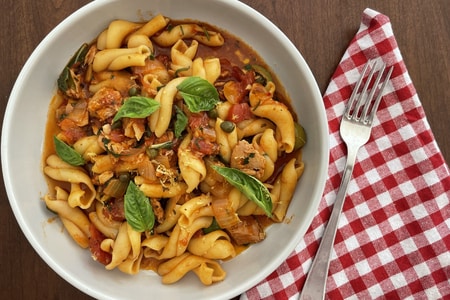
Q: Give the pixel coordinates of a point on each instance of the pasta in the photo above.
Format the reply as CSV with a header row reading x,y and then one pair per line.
x,y
150,126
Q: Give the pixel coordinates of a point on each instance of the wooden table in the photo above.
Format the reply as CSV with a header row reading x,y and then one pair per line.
x,y
321,30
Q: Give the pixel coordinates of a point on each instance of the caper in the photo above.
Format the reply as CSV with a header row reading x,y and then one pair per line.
x,y
152,153
134,91
124,177
213,113
300,136
227,126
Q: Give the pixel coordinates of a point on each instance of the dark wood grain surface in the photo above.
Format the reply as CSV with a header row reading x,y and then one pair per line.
x,y
321,30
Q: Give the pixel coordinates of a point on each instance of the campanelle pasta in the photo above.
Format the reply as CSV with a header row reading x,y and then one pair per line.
x,y
169,148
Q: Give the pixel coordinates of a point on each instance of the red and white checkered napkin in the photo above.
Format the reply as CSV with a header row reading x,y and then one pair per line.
x,y
393,240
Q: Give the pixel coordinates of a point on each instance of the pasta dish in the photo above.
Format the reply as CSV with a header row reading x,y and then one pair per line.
x,y
169,147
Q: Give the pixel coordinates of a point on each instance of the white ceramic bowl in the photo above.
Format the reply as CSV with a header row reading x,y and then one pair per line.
x,y
23,131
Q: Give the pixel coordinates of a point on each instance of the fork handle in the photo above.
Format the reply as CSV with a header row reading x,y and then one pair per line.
x,y
315,284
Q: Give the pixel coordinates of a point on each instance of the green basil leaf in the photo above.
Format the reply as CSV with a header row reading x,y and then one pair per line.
x,y
138,210
67,153
65,80
181,122
251,187
79,56
137,107
198,94
213,227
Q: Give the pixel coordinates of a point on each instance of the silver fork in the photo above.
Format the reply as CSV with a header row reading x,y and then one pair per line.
x,y
356,126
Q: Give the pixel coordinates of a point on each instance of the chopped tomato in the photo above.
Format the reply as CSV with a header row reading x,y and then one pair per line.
x,y
117,136
199,120
71,132
248,78
239,112
115,210
94,245
203,136
203,146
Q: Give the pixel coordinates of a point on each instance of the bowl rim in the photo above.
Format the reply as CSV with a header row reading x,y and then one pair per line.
x,y
8,118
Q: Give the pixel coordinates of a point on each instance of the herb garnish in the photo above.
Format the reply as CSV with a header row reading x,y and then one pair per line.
x,y
67,153
198,94
138,210
180,122
251,187
137,107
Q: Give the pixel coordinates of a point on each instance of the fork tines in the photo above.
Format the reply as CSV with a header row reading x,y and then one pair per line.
x,y
360,103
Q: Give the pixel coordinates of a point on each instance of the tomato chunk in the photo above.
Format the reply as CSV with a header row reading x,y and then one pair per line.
x,y
94,245
239,112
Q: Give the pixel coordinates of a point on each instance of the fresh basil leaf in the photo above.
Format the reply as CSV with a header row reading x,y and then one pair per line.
x,y
137,107
213,227
138,210
198,94
79,56
181,122
66,79
67,153
251,187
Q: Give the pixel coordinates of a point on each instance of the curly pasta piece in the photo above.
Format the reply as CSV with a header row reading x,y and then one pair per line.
x,y
208,68
266,144
253,127
196,207
139,40
159,120
284,188
182,56
189,31
109,231
214,245
73,218
120,58
181,235
207,270
153,26
192,167
118,80
131,265
153,245
88,147
264,106
143,34
126,244
171,215
156,190
107,226
150,85
82,191
114,35
227,141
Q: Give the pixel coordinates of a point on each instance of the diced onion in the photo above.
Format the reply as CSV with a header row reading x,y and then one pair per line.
x,y
224,213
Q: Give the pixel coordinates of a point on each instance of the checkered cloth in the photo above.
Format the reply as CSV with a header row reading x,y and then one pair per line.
x,y
393,240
